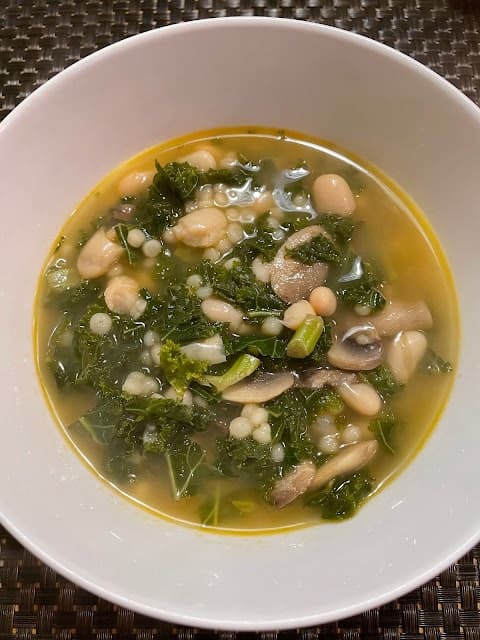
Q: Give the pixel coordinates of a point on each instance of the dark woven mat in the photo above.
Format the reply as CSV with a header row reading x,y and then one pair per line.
x,y
38,39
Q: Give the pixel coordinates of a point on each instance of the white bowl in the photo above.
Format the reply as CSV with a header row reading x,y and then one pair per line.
x,y
76,128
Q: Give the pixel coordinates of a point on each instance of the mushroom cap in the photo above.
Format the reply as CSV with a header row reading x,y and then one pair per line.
x,y
359,349
292,280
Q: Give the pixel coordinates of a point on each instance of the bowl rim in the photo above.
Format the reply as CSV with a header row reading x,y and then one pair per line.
x,y
459,547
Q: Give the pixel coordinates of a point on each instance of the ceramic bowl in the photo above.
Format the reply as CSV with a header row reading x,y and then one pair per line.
x,y
59,142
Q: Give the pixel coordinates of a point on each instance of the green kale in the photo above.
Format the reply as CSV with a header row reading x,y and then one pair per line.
x,y
186,469
254,344
132,253
185,178
341,228
342,498
318,249
75,300
384,427
178,369
320,401
160,207
435,365
239,286
359,286
235,457
177,315
101,422
382,380
260,241
105,360
289,417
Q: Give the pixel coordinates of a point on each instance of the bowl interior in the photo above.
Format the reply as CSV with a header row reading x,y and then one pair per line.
x,y
279,73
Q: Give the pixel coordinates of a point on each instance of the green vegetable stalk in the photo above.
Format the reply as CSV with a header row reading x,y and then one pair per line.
x,y
243,367
305,338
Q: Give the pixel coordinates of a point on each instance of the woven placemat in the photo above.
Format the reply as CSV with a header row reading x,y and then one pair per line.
x,y
38,39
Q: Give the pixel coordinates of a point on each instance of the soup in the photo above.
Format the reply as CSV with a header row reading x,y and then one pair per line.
x,y
246,330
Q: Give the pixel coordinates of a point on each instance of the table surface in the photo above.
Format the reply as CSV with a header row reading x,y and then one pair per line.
x,y
38,39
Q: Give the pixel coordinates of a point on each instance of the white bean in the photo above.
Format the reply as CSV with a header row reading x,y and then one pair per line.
x,y
223,246
229,264
240,428
169,236
152,248
139,384
324,301
328,444
261,270
324,426
134,183
296,313
211,254
194,281
98,255
135,238
360,397
259,416
263,434
234,232
264,202
219,311
204,292
249,409
100,324
405,353
121,295
202,228
332,194
278,452
201,159
232,214
150,338
155,354
272,326
210,350
351,434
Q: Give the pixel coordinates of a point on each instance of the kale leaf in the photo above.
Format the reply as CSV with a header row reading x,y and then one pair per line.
x,y
179,370
341,228
342,498
318,249
177,315
161,206
359,286
246,456
382,380
435,365
383,427
239,286
256,345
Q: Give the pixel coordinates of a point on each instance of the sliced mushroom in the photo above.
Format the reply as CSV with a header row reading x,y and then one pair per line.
x,y
294,484
402,316
261,389
317,378
291,280
360,349
349,460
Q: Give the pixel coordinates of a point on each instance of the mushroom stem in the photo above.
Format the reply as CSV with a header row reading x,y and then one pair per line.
x,y
349,460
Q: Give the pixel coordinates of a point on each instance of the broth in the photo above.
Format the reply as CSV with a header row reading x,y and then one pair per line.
x,y
390,234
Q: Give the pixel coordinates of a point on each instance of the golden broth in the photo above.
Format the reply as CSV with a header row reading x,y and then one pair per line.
x,y
393,235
